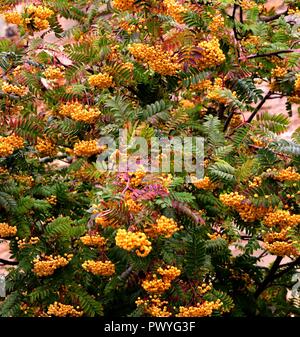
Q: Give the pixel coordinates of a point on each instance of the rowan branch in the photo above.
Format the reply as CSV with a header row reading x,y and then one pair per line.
x,y
273,17
259,106
7,262
274,53
269,278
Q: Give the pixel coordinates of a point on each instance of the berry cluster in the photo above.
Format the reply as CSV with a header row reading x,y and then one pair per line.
x,y
133,240
47,265
166,180
45,147
281,218
132,205
186,104
216,236
288,174
203,309
13,17
134,26
282,248
216,26
101,81
36,17
15,109
62,310
52,200
157,59
204,288
102,221
79,112
156,285
212,54
106,268
6,230
122,5
94,240
164,226
256,182
54,73
235,121
247,4
278,72
170,273
9,144
257,142
154,306
233,199
24,179
204,184
25,243
153,284
13,89
246,210
174,9
87,148
293,11
276,236
297,83
136,178
203,85
3,170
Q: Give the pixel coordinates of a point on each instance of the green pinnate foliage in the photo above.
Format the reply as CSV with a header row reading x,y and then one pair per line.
x,y
163,69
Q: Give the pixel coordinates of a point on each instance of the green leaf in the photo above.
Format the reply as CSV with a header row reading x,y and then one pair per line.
x,y
195,256
277,123
221,171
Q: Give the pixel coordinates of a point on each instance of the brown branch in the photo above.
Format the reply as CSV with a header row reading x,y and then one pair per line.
x,y
235,32
124,276
241,15
289,266
274,53
273,17
272,276
7,262
259,106
182,208
269,278
228,121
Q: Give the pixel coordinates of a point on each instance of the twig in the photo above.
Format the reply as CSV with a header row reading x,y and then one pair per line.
x,y
124,276
273,17
274,53
180,207
289,266
269,278
256,110
228,120
7,262
263,254
294,43
241,15
126,187
235,33
272,276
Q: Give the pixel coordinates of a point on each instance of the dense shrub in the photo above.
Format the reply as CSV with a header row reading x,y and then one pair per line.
x,y
94,243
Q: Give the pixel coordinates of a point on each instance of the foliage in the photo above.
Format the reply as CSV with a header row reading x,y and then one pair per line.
x,y
102,242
